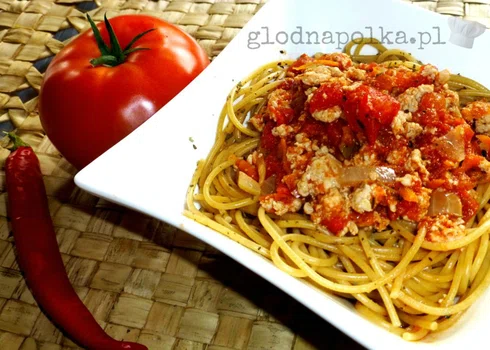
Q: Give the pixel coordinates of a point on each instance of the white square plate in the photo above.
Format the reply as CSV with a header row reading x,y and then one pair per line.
x,y
150,170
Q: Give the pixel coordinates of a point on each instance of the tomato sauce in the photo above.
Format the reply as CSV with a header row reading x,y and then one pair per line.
x,y
331,115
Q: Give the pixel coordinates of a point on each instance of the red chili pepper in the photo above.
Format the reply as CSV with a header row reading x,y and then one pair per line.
x,y
39,256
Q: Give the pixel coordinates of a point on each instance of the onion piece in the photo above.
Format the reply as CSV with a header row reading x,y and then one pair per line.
x,y
247,184
385,174
268,186
452,144
261,168
349,151
357,174
443,202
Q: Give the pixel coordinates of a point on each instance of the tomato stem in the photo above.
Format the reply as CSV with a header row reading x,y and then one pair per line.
x,y
113,55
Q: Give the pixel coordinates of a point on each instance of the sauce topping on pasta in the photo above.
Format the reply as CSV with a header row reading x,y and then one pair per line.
x,y
356,146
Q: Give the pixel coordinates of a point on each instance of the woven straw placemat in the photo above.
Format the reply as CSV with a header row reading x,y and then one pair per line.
x,y
142,279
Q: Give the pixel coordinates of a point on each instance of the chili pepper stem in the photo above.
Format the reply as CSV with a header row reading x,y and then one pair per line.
x,y
16,140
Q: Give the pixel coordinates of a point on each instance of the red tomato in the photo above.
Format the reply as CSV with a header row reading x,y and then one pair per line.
x,y
85,110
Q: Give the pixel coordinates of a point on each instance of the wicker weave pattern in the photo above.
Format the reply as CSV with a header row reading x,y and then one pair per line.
x,y
143,280
475,10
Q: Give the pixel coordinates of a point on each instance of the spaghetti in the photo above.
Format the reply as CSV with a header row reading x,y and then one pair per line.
x,y
413,258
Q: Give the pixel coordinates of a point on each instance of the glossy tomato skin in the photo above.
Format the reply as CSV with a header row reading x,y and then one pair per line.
x,y
85,110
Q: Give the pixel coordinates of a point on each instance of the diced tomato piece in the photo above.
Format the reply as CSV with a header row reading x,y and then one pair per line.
x,y
408,194
351,109
436,183
432,100
328,95
378,105
279,106
282,194
471,161
282,149
475,110
247,168
330,134
429,118
469,204
334,133
274,166
369,109
314,129
409,209
348,137
384,82
396,81
287,84
290,181
484,139
283,190
372,128
470,141
432,112
484,142
268,141
335,224
368,67
365,219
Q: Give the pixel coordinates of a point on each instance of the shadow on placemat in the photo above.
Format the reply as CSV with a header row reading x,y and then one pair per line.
x,y
275,305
